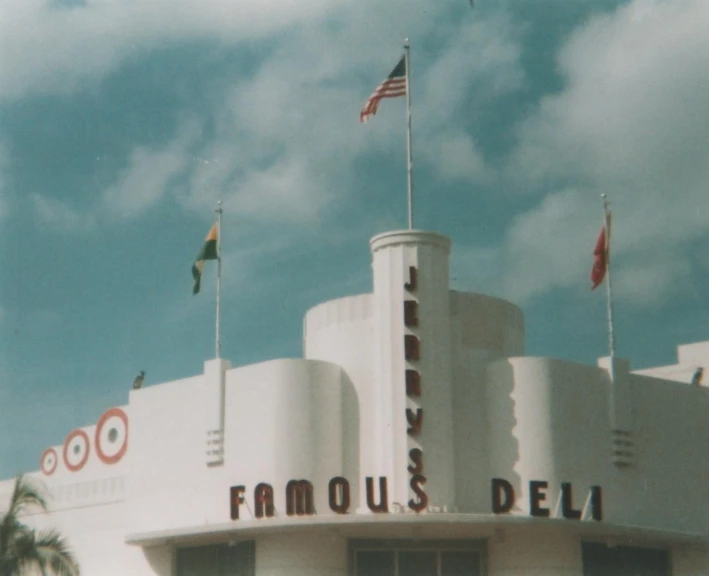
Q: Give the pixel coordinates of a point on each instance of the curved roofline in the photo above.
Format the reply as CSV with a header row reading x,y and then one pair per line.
x,y
486,523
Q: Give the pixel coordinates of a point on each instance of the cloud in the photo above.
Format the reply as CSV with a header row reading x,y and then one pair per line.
x,y
545,247
481,53
632,121
138,187
455,155
479,63
642,285
290,132
145,179
286,138
58,215
46,48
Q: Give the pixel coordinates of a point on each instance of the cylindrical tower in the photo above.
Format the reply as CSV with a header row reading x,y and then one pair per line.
x,y
412,368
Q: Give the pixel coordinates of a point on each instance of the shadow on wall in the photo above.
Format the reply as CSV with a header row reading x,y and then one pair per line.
x,y
470,429
350,425
503,448
580,433
160,559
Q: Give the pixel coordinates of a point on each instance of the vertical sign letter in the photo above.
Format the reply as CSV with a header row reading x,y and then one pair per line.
x,y
415,420
412,284
411,347
417,458
413,383
410,309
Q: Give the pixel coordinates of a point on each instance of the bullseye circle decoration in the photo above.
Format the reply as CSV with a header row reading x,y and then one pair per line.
x,y
111,438
48,462
76,450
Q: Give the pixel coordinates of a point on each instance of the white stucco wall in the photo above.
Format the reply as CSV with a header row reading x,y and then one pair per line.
x,y
284,419
483,329
342,332
549,420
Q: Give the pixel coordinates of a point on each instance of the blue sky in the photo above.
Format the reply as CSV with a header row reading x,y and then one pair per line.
x,y
122,122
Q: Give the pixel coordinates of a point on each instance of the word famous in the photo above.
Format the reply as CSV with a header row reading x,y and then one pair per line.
x,y
300,501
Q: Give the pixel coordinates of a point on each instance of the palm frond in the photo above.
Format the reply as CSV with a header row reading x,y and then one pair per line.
x,y
20,553
46,550
27,494
54,554
22,548
9,565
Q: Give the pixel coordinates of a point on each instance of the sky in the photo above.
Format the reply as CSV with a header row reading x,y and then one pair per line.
x,y
122,123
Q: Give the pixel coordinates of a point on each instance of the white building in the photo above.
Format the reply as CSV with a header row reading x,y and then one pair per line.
x,y
415,438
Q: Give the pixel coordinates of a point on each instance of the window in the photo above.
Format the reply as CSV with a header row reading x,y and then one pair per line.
x,y
416,558
217,560
600,560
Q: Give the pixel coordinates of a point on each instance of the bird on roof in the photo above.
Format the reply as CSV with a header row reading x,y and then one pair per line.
x,y
138,382
697,378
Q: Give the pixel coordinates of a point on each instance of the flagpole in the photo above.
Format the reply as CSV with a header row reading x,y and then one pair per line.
x,y
611,335
219,276
409,183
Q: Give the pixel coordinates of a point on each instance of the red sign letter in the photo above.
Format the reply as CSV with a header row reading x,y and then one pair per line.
x,y
236,498
417,458
502,488
411,347
412,283
415,420
263,496
339,486
410,316
382,506
413,383
416,483
299,498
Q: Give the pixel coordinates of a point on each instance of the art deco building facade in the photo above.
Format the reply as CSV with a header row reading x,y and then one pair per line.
x,y
414,438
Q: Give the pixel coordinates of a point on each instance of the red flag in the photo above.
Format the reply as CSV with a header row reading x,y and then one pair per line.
x,y
600,260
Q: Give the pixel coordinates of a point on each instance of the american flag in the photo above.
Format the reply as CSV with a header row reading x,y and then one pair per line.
x,y
393,87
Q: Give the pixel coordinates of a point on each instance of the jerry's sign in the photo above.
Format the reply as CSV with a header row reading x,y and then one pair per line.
x,y
412,382
299,493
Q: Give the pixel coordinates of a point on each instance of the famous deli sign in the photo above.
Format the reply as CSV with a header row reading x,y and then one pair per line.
x,y
300,493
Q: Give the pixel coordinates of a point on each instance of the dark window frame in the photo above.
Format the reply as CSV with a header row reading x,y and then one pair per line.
x,y
622,549
219,548
478,546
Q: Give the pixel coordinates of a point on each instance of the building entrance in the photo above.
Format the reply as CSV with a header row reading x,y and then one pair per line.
x,y
392,558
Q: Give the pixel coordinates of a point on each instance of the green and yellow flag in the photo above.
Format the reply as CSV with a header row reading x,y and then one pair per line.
x,y
208,252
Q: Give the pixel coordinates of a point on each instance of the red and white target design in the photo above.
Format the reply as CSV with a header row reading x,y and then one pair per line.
x,y
112,436
48,462
76,450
